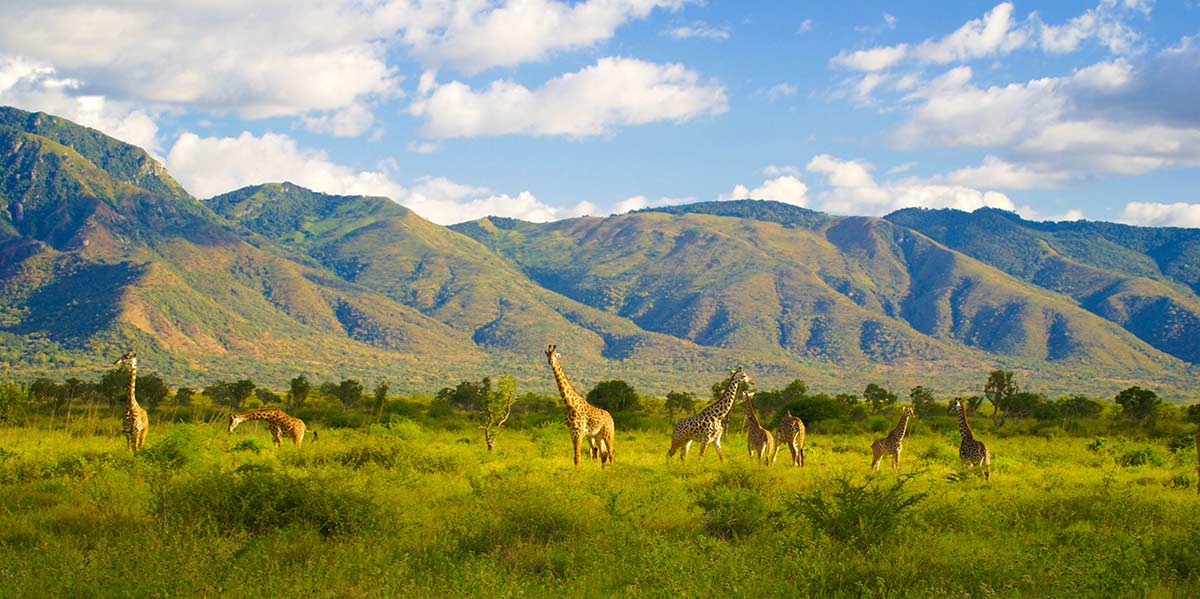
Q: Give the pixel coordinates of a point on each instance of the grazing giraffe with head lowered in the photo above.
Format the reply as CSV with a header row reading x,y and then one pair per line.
x,y
970,450
135,422
891,444
790,432
278,422
706,427
758,439
583,419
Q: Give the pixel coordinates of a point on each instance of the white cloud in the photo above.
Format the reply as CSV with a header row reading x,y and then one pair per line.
x,y
699,29
593,101
348,122
478,34
890,20
36,87
997,173
872,59
998,33
805,26
271,59
781,90
208,166
774,170
422,147
1110,117
784,188
995,33
901,168
1151,214
853,190
639,202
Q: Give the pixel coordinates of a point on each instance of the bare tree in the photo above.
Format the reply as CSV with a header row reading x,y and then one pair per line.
x,y
496,408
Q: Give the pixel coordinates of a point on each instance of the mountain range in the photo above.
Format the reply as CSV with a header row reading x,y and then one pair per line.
x,y
101,249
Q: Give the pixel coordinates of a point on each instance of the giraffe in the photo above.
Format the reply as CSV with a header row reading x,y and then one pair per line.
x,y
891,444
135,421
278,422
758,439
970,450
706,427
790,432
583,419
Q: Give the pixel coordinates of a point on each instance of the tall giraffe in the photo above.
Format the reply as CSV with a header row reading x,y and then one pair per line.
x,y
790,432
758,439
278,422
583,419
135,421
891,444
970,450
706,427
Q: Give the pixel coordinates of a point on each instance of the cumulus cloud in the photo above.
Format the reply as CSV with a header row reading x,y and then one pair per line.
x,y
784,188
1152,214
1111,117
639,202
853,190
781,90
273,60
351,121
208,166
805,26
37,87
997,173
593,101
998,33
478,35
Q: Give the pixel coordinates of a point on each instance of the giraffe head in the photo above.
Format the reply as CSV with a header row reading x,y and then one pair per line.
x,y
129,359
234,420
908,411
552,353
956,407
738,375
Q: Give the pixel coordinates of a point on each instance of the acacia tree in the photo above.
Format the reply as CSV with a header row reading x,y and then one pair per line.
x,y
614,396
496,407
1138,403
878,397
999,391
680,401
299,391
381,391
1077,406
922,401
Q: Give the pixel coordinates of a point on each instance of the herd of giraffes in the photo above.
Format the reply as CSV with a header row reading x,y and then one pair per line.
x,y
595,424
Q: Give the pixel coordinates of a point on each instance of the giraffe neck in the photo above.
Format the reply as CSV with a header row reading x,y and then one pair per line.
x,y
132,403
264,414
964,429
721,408
570,396
901,427
751,415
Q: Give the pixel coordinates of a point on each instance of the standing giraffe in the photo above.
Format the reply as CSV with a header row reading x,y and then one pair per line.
x,y
970,450
758,439
790,432
278,421
583,419
135,422
706,427
891,443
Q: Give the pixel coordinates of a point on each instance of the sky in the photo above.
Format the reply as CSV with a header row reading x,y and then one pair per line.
x,y
543,110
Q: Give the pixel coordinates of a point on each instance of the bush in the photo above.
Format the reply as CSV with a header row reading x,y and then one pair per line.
x,y
250,444
176,450
258,499
860,515
731,513
1140,457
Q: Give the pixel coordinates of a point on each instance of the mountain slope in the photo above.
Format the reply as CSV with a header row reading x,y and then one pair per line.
x,y
1140,278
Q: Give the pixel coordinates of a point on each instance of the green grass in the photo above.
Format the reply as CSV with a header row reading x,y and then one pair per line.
x,y
409,510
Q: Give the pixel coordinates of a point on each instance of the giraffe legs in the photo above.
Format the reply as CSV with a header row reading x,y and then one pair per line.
x,y
577,441
141,438
276,434
877,456
801,457
896,460
720,453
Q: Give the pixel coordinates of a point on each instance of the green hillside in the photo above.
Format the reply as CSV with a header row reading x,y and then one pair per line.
x,y
1143,279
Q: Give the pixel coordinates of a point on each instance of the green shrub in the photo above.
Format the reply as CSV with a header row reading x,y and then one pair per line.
x,y
940,453
179,448
249,444
861,515
258,499
732,513
1140,456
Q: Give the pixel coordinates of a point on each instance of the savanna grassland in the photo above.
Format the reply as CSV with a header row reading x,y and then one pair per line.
x,y
417,507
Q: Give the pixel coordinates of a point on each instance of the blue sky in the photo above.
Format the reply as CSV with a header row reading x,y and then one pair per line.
x,y
542,110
